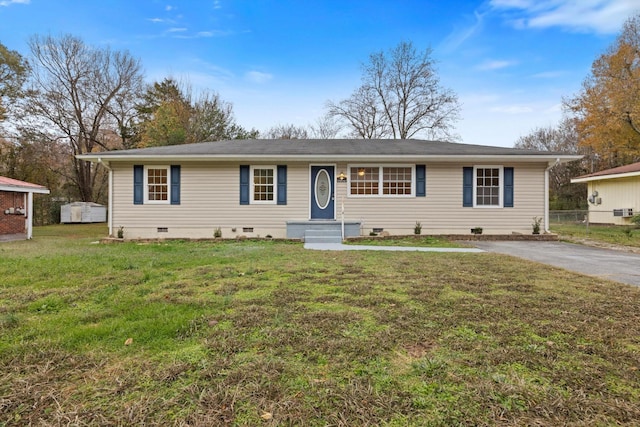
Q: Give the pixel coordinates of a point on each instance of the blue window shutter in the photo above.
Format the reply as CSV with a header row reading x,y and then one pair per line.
x,y
467,187
175,184
138,184
508,187
244,184
421,181
282,184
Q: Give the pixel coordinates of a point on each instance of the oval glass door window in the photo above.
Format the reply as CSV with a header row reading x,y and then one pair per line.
x,y
323,189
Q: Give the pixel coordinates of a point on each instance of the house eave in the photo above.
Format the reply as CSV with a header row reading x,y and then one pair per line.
x,y
21,189
605,177
471,158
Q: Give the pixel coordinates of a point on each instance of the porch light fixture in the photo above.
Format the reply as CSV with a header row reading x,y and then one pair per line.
x,y
342,177
361,172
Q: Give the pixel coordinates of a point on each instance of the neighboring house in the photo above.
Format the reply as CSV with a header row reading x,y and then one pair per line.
x,y
16,207
613,194
284,188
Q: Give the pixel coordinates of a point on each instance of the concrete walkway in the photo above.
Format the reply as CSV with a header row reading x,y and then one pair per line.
x,y
608,264
341,247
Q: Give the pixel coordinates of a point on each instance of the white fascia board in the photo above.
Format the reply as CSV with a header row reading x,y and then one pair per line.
x,y
603,177
21,189
105,158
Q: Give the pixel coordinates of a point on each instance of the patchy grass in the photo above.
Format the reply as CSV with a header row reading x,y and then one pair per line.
x,y
266,333
616,235
418,241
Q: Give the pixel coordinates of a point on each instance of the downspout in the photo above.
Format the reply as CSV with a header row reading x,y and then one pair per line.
x,y
110,197
29,215
546,195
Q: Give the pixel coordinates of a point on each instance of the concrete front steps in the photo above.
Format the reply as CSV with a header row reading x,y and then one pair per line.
x,y
322,231
323,236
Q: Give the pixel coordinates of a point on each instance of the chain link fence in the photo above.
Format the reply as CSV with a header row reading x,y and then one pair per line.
x,y
568,217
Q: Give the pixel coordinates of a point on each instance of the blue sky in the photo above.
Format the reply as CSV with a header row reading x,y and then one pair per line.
x,y
510,61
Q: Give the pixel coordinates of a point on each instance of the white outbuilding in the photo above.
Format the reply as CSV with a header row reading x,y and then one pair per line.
x,y
83,212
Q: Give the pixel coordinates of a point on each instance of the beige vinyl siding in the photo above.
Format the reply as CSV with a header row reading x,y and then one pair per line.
x,y
210,199
620,193
441,211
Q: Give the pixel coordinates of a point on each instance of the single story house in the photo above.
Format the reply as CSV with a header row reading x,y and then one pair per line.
x,y
613,194
287,188
16,207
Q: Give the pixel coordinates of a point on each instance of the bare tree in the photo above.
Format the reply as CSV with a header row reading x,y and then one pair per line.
x,y
362,113
400,98
326,127
287,131
77,93
561,138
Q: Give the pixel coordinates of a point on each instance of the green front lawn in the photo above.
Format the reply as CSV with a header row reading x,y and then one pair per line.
x,y
614,234
417,241
268,333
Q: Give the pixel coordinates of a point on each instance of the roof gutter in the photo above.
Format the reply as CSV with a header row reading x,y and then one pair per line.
x,y
333,157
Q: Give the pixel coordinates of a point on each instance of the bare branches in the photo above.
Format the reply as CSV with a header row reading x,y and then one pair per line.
x,y
286,131
561,138
400,98
83,95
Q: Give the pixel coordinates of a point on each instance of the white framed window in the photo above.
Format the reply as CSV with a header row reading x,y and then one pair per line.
x,y
263,184
377,180
157,188
487,188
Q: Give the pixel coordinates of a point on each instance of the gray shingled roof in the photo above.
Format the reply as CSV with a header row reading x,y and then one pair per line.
x,y
321,148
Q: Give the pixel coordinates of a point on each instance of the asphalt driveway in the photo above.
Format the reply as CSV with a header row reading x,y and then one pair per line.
x,y
605,263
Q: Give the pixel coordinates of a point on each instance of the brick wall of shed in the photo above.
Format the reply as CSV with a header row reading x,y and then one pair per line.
x,y
11,224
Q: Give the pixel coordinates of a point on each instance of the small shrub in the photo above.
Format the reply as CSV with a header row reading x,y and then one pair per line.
x,y
628,231
120,232
417,229
373,233
636,219
476,230
536,225
217,233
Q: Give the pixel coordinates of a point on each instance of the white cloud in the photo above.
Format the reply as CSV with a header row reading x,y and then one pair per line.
x,y
599,16
176,30
10,2
169,8
549,74
258,77
554,109
155,20
495,65
459,36
216,4
203,34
